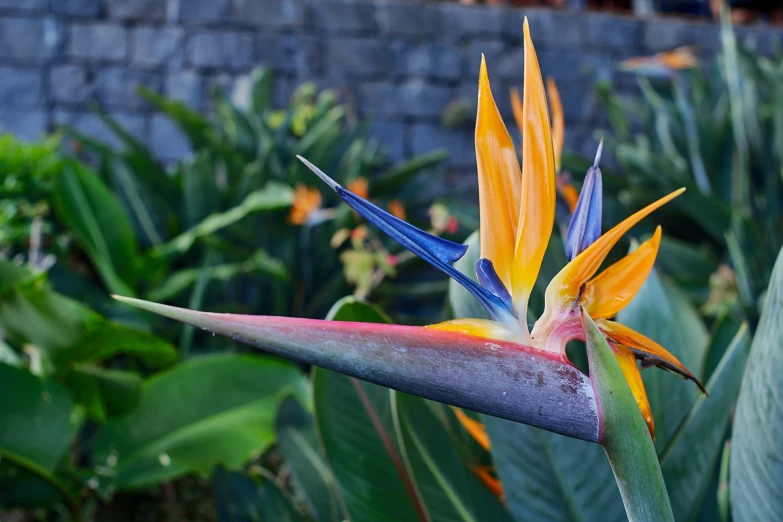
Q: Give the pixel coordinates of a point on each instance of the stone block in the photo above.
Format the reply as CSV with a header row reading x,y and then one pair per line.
x,y
154,46
612,32
426,137
69,84
380,99
23,5
117,86
29,41
550,29
435,60
271,13
464,21
166,140
186,86
665,35
99,42
391,136
423,99
359,56
410,19
343,17
509,65
76,8
20,87
26,124
141,9
220,49
290,53
206,10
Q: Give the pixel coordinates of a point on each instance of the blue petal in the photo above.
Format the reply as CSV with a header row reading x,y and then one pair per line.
x,y
585,226
437,251
489,279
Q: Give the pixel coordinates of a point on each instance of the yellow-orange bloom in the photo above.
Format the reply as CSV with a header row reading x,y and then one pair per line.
x,y
306,201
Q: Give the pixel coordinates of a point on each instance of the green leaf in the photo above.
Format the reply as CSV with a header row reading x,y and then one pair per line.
x,y
273,196
661,312
181,280
302,453
450,490
69,332
463,303
206,411
756,479
547,476
690,459
37,424
397,177
105,393
624,434
192,124
239,498
356,425
96,218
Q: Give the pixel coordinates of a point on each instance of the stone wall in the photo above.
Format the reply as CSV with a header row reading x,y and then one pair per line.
x,y
401,63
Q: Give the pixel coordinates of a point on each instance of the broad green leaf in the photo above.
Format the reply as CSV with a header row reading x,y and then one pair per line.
x,y
756,470
355,421
37,424
96,218
104,393
624,434
273,196
549,477
723,333
207,410
181,280
239,498
351,309
450,490
463,304
302,453
661,312
69,332
690,459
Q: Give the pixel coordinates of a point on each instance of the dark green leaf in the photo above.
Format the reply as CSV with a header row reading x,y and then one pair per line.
x,y
37,424
449,488
208,410
302,453
95,217
756,466
238,498
693,453
105,393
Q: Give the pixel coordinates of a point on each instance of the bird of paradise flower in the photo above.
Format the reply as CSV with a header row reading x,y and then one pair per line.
x,y
517,211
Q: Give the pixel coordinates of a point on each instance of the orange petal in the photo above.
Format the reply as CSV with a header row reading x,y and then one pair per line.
x,y
516,108
477,430
538,181
567,191
490,481
614,288
564,288
476,327
631,372
558,121
645,349
499,181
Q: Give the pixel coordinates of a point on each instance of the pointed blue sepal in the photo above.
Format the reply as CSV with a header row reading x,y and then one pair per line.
x,y
585,226
435,250
488,278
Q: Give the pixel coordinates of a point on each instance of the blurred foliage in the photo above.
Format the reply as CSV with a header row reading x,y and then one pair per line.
x,y
716,129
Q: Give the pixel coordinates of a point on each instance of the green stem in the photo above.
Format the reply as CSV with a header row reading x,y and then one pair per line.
x,y
45,475
624,435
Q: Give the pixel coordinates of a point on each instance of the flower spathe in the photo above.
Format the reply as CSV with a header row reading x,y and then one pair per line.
x,y
517,211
